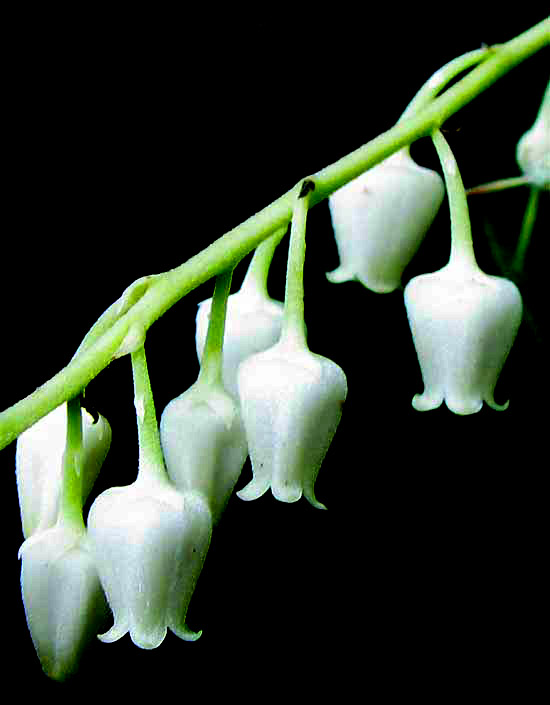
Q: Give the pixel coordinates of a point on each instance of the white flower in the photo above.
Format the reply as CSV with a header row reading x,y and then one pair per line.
x,y
533,149
291,401
463,324
253,323
39,465
380,218
64,603
204,443
149,542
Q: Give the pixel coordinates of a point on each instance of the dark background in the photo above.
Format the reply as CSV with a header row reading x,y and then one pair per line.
x,y
135,140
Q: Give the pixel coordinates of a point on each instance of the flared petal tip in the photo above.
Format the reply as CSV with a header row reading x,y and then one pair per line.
x,y
116,632
186,634
314,501
339,275
497,407
287,493
424,402
254,490
148,639
464,408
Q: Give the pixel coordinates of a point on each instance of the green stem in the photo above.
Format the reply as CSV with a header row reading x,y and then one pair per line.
x,y
462,247
70,505
499,185
258,269
151,461
527,225
435,84
167,289
293,318
212,357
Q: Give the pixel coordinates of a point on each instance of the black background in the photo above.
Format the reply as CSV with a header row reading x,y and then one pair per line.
x,y
135,140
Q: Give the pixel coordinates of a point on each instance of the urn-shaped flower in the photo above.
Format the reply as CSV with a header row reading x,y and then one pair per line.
x,y
204,443
149,542
463,324
64,603
39,465
253,323
291,401
380,218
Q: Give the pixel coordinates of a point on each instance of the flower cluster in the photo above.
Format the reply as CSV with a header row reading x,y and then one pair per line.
x,y
260,393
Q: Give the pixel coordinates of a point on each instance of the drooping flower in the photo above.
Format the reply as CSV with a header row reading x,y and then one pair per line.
x,y
380,218
148,539
39,465
149,542
463,324
252,324
64,603
291,401
204,443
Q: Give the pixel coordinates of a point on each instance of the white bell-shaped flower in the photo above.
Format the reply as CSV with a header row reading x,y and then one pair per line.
x,y
64,603
533,149
149,542
463,324
291,401
39,465
380,218
204,443
253,323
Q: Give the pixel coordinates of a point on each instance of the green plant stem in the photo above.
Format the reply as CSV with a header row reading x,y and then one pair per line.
x,y
462,247
212,357
167,289
437,82
151,460
70,505
527,225
499,185
293,317
258,269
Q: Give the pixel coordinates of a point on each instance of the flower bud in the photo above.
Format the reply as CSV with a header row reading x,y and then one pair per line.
x,y
463,324
64,603
291,401
252,324
204,443
39,465
380,218
149,542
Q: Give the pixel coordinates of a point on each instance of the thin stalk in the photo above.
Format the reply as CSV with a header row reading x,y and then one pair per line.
x,y
151,461
443,76
70,504
527,225
499,185
212,357
258,269
462,247
293,317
